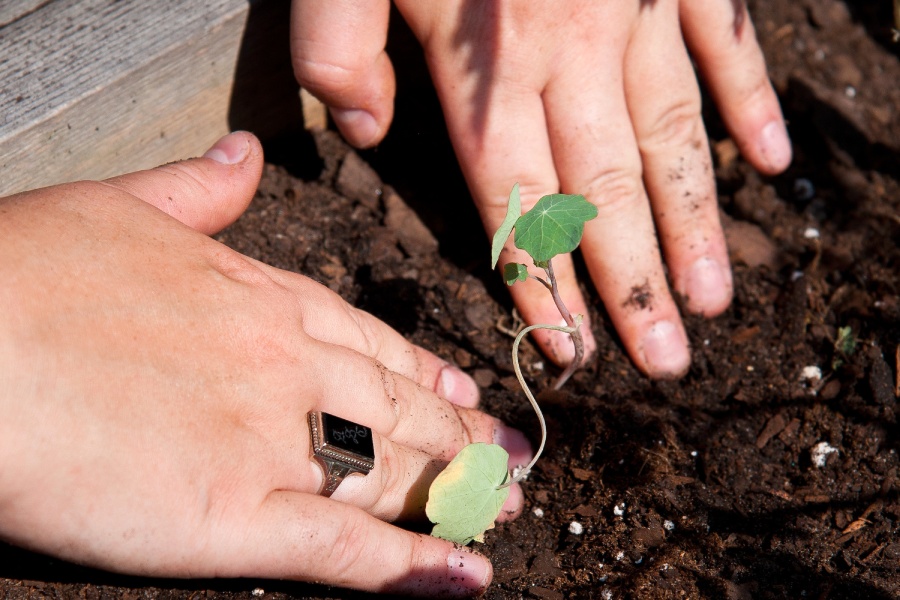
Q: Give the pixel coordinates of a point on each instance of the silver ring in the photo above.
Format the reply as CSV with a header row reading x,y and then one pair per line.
x,y
341,447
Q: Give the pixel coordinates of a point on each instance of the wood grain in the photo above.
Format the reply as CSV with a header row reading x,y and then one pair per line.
x,y
10,10
94,88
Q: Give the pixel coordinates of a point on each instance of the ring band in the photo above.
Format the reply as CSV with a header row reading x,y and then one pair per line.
x,y
341,447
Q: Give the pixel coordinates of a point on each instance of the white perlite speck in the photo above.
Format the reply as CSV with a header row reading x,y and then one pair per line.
x,y
575,528
518,471
811,233
820,452
668,525
619,509
538,512
812,374
258,592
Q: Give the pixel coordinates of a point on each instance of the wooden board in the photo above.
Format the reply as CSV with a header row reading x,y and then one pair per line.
x,y
94,88
10,10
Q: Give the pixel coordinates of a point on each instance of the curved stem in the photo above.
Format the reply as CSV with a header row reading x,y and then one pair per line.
x,y
537,409
575,334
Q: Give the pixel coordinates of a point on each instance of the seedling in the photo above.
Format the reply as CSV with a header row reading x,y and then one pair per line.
x,y
465,499
844,346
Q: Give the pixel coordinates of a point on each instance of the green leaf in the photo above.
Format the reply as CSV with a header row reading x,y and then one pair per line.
x,y
464,501
513,211
846,341
513,272
554,226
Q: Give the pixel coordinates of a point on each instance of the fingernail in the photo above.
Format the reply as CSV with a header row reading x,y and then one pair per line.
x,y
512,507
357,125
457,387
665,351
515,443
469,570
707,286
229,150
775,146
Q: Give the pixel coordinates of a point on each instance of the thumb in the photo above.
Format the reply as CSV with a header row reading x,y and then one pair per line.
x,y
337,47
207,193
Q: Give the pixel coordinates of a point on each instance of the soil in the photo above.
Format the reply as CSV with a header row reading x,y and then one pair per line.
x,y
748,478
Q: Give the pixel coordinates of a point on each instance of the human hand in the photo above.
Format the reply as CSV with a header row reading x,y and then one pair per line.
x,y
154,387
596,98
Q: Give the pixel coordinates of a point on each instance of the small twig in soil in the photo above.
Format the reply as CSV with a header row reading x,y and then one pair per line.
x,y
665,459
514,327
897,372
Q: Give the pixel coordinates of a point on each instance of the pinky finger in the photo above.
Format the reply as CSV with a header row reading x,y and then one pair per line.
x,y
310,538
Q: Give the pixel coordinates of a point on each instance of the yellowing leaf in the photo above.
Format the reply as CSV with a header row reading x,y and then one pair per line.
x,y
464,501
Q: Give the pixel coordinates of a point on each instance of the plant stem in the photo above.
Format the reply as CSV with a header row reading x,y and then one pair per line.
x,y
575,332
537,409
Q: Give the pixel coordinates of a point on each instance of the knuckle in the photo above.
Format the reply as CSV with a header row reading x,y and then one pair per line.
x,y
349,548
613,191
496,203
371,335
236,267
373,344
389,466
325,75
186,178
393,482
678,124
757,91
397,403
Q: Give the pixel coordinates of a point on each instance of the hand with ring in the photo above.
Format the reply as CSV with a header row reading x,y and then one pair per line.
x,y
583,97
156,389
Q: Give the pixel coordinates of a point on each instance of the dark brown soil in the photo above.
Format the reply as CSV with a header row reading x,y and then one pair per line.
x,y
702,488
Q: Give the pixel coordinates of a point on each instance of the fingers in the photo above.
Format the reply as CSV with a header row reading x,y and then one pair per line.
x,y
597,155
500,137
352,385
338,54
305,537
358,330
397,488
722,40
415,433
664,104
207,193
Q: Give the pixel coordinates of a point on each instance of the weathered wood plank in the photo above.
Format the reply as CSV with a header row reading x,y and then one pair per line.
x,y
93,88
10,10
